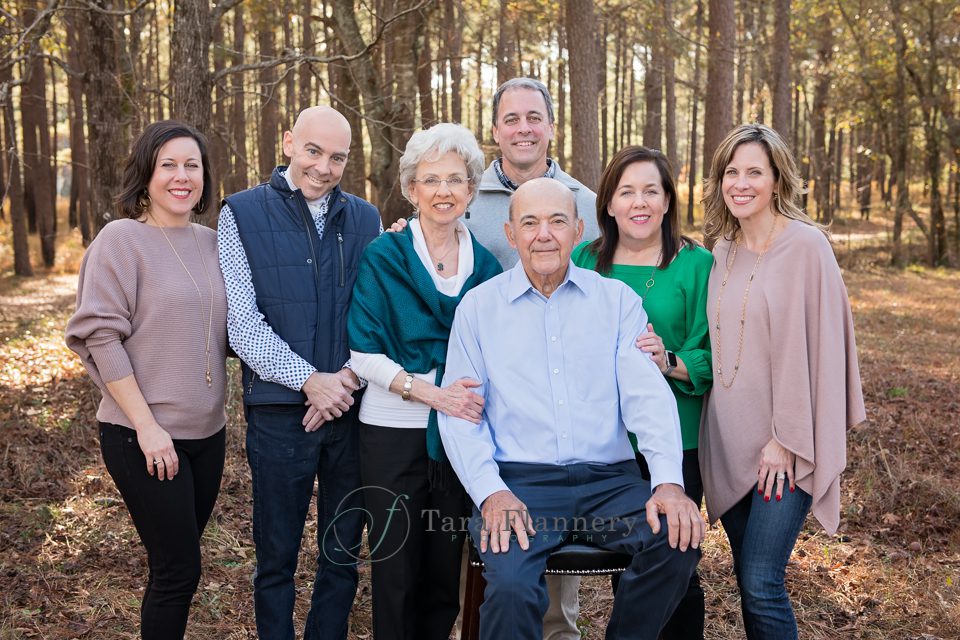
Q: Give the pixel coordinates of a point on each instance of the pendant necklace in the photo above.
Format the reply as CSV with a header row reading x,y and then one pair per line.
x,y
731,258
209,319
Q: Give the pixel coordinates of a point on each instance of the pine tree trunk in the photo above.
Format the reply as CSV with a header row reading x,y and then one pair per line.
x,y
239,158
780,71
79,168
670,89
695,100
584,60
18,218
718,114
653,95
268,148
108,108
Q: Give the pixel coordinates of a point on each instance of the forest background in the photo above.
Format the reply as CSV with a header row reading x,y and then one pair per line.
x,y
865,91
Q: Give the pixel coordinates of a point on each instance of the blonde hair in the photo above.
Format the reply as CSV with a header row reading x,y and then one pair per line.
x,y
718,222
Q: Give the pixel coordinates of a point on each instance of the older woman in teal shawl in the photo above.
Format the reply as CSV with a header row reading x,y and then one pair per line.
x,y
408,287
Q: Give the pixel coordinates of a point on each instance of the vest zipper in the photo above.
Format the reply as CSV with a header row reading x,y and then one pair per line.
x,y
340,246
253,376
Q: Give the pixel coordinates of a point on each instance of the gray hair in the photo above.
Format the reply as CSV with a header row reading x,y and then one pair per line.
x,y
430,144
529,84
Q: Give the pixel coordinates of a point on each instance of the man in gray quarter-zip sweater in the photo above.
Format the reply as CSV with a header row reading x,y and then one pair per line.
x,y
289,250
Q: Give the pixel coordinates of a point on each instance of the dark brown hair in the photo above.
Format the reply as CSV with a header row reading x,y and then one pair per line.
x,y
140,164
606,245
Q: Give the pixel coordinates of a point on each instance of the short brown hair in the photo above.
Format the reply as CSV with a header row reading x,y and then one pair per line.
x,y
140,164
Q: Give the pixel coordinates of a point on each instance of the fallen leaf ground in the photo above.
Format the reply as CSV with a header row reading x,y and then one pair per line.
x,y
71,565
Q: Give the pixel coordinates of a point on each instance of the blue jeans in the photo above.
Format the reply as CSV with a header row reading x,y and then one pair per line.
x,y
284,462
762,536
598,503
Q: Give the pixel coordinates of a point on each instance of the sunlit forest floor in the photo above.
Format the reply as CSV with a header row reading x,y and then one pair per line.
x,y
71,565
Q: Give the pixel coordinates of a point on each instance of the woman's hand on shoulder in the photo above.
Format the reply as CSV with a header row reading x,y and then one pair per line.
x,y
157,447
652,344
398,226
456,400
776,470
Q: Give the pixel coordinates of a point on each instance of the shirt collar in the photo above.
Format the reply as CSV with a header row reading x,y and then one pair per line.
x,y
519,284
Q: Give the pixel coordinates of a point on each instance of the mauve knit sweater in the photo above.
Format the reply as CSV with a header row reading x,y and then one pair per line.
x,y
138,312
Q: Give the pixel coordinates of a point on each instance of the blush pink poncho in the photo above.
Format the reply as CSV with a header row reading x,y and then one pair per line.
x,y
798,381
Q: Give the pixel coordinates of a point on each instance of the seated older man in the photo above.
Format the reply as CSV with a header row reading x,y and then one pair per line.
x,y
553,348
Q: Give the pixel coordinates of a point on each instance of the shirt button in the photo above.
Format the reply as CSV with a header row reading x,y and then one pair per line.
x,y
561,402
563,435
553,338
309,260
556,370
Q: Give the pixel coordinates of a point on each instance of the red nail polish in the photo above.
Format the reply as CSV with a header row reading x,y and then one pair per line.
x,y
778,498
760,491
792,489
766,498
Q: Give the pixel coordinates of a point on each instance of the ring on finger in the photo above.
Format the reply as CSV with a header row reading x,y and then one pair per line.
x,y
781,476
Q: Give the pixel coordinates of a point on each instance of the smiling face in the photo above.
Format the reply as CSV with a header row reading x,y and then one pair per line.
x,y
544,228
317,147
523,130
749,183
176,185
441,203
639,202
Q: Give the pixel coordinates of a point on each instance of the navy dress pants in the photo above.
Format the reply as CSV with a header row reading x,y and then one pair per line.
x,y
602,504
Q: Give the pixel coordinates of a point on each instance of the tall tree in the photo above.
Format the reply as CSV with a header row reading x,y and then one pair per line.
x,y
718,114
39,181
670,88
653,91
822,158
268,148
781,68
239,159
581,38
12,185
189,62
109,114
695,103
506,45
79,209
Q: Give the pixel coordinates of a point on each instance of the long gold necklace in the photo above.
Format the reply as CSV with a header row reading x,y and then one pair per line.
x,y
731,258
209,319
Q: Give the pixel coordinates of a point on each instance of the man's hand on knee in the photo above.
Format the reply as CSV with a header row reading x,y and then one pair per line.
x,y
503,515
685,525
329,396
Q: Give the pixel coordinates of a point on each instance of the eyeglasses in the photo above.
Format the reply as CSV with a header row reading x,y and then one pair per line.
x,y
452,183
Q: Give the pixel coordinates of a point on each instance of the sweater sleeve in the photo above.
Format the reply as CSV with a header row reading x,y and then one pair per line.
x,y
695,351
106,305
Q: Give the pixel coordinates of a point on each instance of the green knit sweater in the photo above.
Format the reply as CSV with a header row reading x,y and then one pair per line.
x,y
676,305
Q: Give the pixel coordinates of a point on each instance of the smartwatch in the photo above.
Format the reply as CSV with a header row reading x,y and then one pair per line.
x,y
671,358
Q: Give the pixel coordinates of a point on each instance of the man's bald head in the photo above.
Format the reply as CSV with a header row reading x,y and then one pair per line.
x,y
322,116
544,229
532,189
318,146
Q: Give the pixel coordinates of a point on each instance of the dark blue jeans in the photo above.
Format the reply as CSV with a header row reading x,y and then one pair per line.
x,y
762,536
603,504
284,463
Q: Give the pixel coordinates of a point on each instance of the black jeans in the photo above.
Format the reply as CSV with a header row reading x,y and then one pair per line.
x,y
170,516
415,536
686,623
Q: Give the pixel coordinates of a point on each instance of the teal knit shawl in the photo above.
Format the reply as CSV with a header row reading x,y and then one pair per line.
x,y
396,310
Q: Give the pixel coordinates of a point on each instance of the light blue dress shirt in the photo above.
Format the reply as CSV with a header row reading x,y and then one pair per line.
x,y
562,379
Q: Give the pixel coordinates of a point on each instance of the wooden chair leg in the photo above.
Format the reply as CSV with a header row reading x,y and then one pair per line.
x,y
472,599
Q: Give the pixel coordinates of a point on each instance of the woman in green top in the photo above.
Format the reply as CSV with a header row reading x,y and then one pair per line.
x,y
640,244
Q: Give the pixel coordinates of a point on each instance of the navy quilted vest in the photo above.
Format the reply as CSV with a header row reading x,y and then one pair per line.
x,y
303,284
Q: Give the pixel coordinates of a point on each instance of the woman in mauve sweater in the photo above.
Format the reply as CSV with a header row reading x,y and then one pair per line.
x,y
786,380
150,327
640,244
